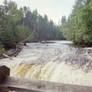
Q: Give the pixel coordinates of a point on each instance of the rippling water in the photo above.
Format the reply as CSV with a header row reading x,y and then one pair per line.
x,y
53,71
59,61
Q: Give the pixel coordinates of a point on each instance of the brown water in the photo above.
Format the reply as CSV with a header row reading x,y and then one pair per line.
x,y
58,62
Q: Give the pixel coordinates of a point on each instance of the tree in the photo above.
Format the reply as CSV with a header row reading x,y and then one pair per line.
x,y
22,24
78,26
9,19
63,20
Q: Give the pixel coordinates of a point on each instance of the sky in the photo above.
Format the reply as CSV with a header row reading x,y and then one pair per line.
x,y
54,9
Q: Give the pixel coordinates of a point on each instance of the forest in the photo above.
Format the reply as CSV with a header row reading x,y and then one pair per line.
x,y
78,26
22,24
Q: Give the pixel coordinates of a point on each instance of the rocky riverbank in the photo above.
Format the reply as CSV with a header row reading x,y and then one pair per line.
x,y
13,52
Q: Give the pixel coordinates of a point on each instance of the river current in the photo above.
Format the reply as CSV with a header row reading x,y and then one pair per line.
x,y
56,61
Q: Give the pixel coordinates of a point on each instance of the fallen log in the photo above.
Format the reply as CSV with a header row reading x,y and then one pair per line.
x,y
26,85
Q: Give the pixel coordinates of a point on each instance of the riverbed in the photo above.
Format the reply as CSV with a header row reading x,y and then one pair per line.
x,y
56,61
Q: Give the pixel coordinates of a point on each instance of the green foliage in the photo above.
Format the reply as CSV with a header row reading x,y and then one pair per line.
x,y
10,33
22,24
78,27
41,28
63,20
2,50
23,32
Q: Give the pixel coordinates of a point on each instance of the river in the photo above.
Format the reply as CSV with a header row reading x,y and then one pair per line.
x,y
56,61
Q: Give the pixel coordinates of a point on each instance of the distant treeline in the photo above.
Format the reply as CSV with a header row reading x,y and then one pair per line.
x,y
78,26
22,24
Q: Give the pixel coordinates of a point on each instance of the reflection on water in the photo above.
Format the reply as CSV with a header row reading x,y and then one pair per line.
x,y
57,62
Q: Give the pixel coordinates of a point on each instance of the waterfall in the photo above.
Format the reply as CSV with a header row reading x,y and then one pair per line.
x,y
54,72
57,62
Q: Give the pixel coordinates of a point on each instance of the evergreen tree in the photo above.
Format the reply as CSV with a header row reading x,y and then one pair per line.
x,y
79,24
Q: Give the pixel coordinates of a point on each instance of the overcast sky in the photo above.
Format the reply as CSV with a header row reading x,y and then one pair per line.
x,y
55,9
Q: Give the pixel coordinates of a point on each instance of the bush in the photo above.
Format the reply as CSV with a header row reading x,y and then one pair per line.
x,y
2,50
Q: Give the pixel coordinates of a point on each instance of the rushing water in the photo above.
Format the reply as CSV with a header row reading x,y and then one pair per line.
x,y
59,62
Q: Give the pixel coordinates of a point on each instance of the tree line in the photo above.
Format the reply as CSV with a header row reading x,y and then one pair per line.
x,y
78,26
22,24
